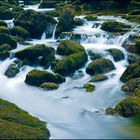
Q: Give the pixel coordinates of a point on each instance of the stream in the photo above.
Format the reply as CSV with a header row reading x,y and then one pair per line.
x,y
69,111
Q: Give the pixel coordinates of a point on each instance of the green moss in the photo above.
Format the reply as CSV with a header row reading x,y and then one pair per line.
x,y
100,66
49,86
18,124
91,18
67,47
19,31
110,111
129,107
3,23
114,26
135,12
132,71
38,77
89,87
70,63
4,29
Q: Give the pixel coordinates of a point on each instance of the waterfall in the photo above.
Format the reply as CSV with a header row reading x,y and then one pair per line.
x,y
43,37
12,55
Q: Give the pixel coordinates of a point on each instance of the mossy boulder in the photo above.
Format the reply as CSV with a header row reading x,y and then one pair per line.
x,y
100,66
116,54
114,26
133,58
91,18
66,21
38,77
128,107
4,30
132,71
137,46
6,14
3,23
30,20
12,71
135,12
89,87
98,78
47,4
5,47
7,39
19,31
67,47
49,86
38,53
18,124
131,85
70,63
110,111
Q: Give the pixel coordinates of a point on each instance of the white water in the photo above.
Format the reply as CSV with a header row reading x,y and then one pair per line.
x,y
70,111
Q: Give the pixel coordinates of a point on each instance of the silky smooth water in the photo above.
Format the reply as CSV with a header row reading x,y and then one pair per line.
x,y
69,111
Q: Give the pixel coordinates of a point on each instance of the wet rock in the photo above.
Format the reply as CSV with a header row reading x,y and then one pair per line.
x,y
94,56
91,18
49,86
128,107
133,58
30,20
110,111
116,54
100,66
132,71
89,87
38,77
4,30
12,71
98,78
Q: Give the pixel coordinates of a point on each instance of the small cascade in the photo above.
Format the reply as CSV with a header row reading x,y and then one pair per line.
x,y
53,35
43,37
12,55
21,3
10,23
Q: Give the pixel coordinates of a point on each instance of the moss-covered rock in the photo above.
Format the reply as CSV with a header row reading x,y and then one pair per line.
x,y
137,46
12,71
18,124
131,85
37,54
38,77
3,23
6,39
67,47
66,20
5,47
132,71
4,30
128,107
133,58
100,66
49,86
30,20
114,26
116,54
134,12
70,63
48,4
19,31
110,111
98,78
93,55
89,87
5,13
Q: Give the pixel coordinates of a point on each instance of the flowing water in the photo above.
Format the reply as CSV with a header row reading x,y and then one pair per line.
x,y
69,111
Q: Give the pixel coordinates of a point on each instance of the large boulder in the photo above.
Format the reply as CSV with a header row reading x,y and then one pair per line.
x,y
116,54
114,26
12,71
128,107
34,22
132,71
70,63
38,77
38,53
18,124
67,47
94,55
100,66
66,20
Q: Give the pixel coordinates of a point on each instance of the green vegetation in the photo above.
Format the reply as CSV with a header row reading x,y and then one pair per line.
x,y
49,86
18,124
98,78
89,87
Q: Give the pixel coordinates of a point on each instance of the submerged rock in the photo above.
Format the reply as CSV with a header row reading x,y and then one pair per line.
x,y
12,71
93,55
18,124
100,66
98,78
49,86
110,111
89,87
38,77
116,54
